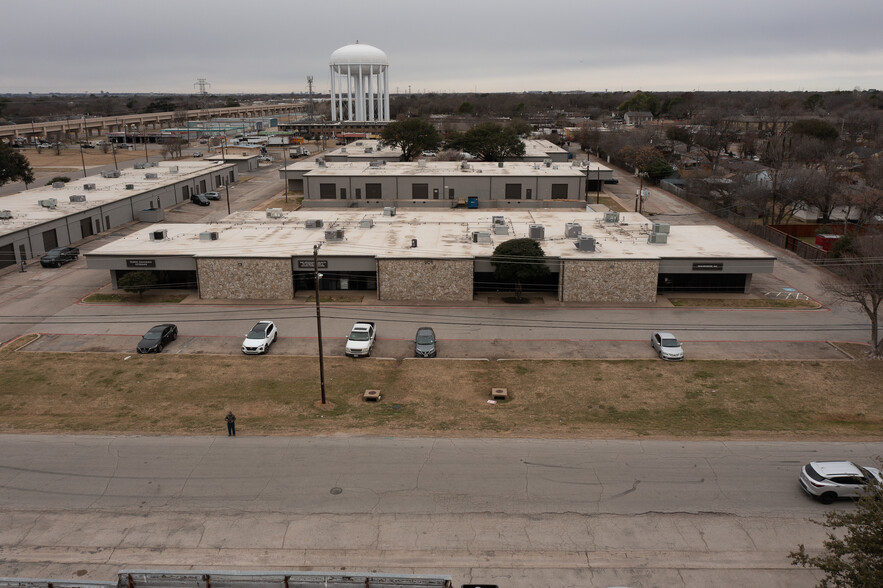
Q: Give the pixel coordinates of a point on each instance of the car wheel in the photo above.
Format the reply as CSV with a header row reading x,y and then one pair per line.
x,y
174,336
159,348
828,497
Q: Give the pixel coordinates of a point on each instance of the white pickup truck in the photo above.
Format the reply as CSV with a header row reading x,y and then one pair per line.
x,y
361,339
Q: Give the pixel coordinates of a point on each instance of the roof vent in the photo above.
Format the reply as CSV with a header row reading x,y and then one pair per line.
x,y
585,243
78,198
152,164
208,236
151,176
389,211
48,202
536,232
375,163
366,223
611,216
499,164
88,186
320,161
334,235
657,238
58,184
173,169
130,186
314,223
343,149
158,235
5,214
547,162
573,230
274,213
369,150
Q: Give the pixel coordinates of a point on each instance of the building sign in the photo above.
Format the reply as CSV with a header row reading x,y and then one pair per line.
x,y
708,267
140,263
308,264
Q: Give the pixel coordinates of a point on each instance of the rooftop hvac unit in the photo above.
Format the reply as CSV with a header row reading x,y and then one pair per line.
x,y
369,150
58,184
501,230
78,198
88,186
547,162
151,176
573,230
314,223
158,235
48,202
413,243
421,163
5,214
499,164
611,216
320,161
658,238
482,237
374,164
389,211
366,223
537,232
114,173
208,236
139,166
359,143
585,243
661,228
152,164
274,213
498,220
173,169
343,149
334,235
130,186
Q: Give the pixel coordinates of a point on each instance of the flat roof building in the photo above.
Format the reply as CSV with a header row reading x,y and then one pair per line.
x,y
435,255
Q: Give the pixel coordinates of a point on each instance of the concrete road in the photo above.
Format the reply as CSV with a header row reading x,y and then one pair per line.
x,y
517,513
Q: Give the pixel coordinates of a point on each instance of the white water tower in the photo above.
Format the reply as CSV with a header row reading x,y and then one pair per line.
x,y
359,84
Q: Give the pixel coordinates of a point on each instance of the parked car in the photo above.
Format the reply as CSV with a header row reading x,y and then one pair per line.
x,y
361,339
611,181
87,146
212,195
259,338
265,158
197,154
667,346
203,141
830,480
425,343
199,199
157,337
59,256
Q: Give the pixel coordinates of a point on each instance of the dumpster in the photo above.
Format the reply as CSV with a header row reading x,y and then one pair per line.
x,y
472,202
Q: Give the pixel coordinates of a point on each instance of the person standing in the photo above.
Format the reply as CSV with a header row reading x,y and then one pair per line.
x,y
231,424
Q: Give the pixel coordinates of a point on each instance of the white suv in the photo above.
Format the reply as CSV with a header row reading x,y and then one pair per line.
x,y
830,480
259,338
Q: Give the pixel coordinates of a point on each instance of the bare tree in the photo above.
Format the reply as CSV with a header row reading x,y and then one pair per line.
x,y
715,135
172,147
861,282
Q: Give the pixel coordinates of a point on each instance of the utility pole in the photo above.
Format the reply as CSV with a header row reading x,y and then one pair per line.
x,y
227,186
310,83
317,275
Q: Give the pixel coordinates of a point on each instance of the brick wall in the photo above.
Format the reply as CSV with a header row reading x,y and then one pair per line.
x,y
424,280
245,278
609,280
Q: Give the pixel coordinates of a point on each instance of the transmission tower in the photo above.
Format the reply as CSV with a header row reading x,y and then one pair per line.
x,y
201,84
310,83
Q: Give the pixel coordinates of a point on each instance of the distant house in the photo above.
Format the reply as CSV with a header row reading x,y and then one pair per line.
x,y
636,119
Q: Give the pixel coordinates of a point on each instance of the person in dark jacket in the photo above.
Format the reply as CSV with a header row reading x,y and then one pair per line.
x,y
231,424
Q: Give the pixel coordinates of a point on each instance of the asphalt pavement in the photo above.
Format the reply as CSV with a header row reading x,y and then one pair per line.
x,y
517,513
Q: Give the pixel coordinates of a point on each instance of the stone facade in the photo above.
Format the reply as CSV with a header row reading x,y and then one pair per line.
x,y
607,280
424,280
245,278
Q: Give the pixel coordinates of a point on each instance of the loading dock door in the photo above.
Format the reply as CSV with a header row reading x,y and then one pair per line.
x,y
7,255
86,227
50,240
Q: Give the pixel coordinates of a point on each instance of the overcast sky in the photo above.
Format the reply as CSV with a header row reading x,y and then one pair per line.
x,y
442,45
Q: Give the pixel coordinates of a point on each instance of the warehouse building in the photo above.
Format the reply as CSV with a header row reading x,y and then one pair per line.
x,y
435,256
35,221
535,151
442,184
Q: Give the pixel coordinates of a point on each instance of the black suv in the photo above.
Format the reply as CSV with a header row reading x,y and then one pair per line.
x,y
199,199
59,256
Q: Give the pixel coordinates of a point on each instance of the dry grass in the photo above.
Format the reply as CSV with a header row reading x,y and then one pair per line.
x,y
116,297
180,394
743,303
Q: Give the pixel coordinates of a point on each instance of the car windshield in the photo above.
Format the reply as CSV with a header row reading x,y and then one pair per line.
x,y
672,342
257,332
425,338
359,336
151,334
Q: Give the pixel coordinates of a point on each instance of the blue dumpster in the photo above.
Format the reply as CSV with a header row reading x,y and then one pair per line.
x,y
472,202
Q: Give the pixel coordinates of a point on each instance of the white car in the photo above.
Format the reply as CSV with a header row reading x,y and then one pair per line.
x,y
830,480
667,346
259,338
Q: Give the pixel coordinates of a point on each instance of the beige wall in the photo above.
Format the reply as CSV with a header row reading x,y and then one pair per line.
x,y
606,280
424,280
245,278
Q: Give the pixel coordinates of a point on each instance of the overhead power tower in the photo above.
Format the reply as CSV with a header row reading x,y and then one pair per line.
x,y
201,84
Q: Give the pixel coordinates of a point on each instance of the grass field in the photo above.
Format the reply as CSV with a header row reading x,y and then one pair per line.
x,y
189,394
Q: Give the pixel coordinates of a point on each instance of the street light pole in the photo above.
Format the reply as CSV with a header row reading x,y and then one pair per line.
x,y
83,159
319,319
227,187
144,138
113,150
